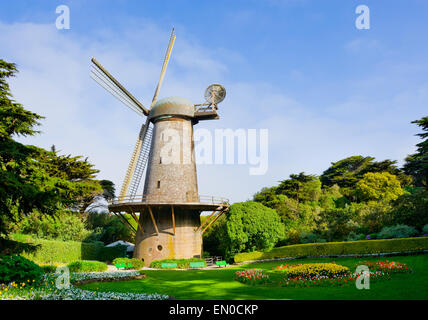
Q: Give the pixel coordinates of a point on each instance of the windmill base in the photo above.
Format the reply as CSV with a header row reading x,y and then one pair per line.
x,y
184,243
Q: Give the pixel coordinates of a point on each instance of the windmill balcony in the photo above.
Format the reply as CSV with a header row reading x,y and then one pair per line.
x,y
201,201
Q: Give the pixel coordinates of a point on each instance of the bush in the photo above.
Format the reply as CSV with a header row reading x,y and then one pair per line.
x,y
48,268
181,263
310,238
18,269
87,266
398,231
64,226
136,263
309,270
54,251
425,229
339,248
355,237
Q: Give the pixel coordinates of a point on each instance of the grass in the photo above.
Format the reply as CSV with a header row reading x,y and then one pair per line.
x,y
218,284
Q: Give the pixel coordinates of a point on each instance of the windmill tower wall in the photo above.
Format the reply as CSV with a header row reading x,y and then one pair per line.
x,y
170,178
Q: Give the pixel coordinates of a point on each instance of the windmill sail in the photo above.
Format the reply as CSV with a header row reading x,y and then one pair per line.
x,y
108,82
142,148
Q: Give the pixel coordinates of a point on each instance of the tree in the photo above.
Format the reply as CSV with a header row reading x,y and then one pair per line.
x,y
32,178
378,187
251,226
416,164
347,172
301,187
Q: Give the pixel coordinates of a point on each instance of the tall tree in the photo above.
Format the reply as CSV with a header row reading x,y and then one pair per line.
x,y
416,164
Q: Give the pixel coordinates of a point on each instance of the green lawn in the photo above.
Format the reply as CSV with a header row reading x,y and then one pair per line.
x,y
219,284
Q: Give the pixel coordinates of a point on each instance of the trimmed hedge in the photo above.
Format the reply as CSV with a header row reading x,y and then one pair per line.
x,y
136,263
87,266
338,248
55,251
181,263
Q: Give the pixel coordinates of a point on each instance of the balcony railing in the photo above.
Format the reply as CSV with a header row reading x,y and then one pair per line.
x,y
160,198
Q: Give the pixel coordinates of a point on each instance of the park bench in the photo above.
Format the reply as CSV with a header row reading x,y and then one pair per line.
x,y
197,264
123,265
120,265
167,265
221,263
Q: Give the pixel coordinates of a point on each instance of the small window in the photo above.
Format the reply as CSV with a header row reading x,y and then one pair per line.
x,y
160,160
160,248
158,184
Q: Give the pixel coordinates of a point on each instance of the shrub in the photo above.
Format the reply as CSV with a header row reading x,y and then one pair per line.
x,y
136,263
18,269
181,263
87,266
309,270
54,251
310,238
398,231
425,229
338,248
355,237
48,268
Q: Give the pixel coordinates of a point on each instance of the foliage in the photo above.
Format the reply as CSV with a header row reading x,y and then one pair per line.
x,y
347,172
338,248
251,276
18,269
311,238
411,209
107,228
425,229
397,231
417,164
309,270
181,263
47,290
386,266
63,225
251,226
136,263
378,186
87,266
54,251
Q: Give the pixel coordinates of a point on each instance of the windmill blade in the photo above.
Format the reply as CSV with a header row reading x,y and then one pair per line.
x,y
165,64
142,147
108,82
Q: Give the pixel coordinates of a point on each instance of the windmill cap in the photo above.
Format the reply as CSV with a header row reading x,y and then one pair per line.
x,y
172,106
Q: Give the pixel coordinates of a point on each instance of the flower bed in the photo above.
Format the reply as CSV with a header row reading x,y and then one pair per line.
x,y
46,289
252,276
321,274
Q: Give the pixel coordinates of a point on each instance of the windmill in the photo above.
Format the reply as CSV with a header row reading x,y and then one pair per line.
x,y
167,214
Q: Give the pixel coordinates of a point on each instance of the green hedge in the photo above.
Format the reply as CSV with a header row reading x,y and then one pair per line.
x,y
54,251
87,266
136,263
338,248
181,263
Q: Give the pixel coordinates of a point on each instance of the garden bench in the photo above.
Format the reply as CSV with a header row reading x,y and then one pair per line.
x,y
167,265
221,263
197,264
120,265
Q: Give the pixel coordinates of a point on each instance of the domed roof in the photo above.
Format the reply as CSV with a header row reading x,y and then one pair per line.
x,y
172,106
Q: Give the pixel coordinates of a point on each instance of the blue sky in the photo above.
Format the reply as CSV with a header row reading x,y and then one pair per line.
x,y
300,68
